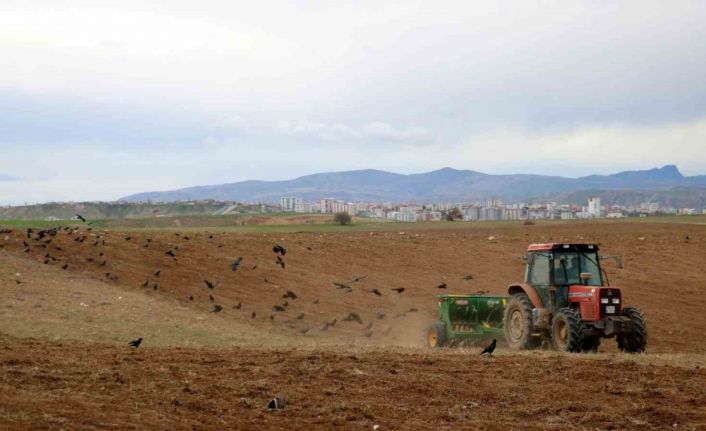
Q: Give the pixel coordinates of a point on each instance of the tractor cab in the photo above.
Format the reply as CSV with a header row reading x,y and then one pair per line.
x,y
554,269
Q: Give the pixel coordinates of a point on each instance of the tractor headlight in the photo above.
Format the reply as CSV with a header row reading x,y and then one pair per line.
x,y
616,300
605,300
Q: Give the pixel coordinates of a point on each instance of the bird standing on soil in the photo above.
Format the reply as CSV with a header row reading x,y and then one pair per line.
x,y
490,349
135,343
217,309
209,284
441,286
398,289
375,291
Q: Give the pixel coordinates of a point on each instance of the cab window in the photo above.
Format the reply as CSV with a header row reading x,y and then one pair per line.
x,y
539,270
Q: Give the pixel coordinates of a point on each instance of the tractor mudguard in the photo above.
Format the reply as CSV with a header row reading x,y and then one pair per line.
x,y
528,290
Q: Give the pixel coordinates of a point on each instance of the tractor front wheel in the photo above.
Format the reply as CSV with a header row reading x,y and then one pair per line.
x,y
518,323
567,331
635,341
436,335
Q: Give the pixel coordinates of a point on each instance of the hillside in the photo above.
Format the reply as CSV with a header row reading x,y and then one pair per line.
x,y
443,185
120,210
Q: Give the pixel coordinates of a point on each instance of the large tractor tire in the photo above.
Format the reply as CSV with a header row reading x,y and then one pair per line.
x,y
518,323
436,336
636,341
567,331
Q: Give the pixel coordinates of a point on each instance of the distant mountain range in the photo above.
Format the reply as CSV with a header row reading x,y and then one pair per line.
x,y
443,185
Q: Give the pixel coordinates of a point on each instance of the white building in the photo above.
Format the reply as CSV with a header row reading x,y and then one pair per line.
x,y
288,203
594,207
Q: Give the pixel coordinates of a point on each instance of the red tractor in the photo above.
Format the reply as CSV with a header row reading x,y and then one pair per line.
x,y
567,299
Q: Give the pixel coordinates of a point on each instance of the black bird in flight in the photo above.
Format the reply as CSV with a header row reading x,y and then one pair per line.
x,y
279,249
80,217
235,264
398,289
135,343
290,294
353,317
490,349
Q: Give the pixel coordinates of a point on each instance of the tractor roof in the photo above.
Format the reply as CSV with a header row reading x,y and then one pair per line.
x,y
562,246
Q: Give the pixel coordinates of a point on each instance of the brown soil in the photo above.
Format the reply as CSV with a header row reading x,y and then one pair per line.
x,y
77,373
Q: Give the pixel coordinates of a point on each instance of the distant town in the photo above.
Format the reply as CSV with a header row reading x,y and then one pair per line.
x,y
490,210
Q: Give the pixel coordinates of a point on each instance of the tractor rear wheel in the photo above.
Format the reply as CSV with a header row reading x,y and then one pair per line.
x,y
567,331
436,335
518,323
636,341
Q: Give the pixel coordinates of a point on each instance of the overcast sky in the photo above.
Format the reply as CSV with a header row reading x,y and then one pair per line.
x,y
101,99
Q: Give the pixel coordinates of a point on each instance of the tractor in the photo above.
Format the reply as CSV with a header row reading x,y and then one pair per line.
x,y
567,300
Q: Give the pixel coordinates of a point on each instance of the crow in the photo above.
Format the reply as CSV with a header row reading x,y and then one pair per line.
x,y
238,306
412,310
341,286
398,289
277,403
155,287
235,264
467,277
278,308
65,266
490,349
253,315
216,309
80,217
315,301
279,249
191,297
128,238
170,253
358,278
135,343
156,274
441,286
211,298
353,317
375,291
209,284
290,294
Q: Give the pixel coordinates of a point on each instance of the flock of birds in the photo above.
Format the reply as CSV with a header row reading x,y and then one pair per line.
x,y
43,239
